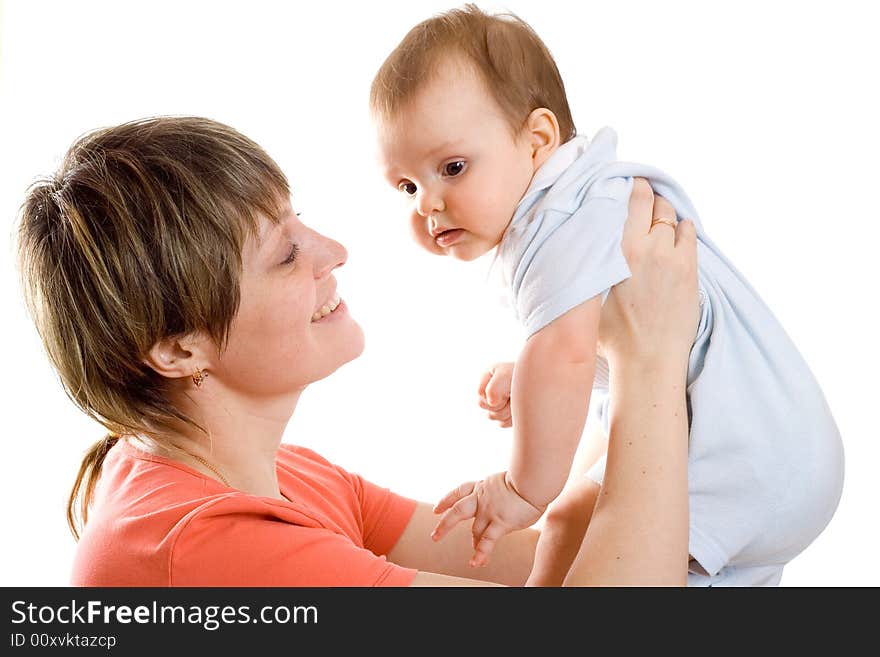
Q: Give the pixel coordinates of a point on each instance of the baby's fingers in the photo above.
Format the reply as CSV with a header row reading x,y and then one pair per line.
x,y
502,415
486,544
489,407
454,496
483,381
497,390
462,510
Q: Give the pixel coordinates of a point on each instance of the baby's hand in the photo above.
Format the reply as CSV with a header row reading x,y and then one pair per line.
x,y
495,393
495,506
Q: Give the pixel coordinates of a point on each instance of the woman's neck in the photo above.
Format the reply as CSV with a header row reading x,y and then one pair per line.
x,y
242,441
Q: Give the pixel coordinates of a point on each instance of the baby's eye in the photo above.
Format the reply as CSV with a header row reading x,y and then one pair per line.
x,y
407,188
454,168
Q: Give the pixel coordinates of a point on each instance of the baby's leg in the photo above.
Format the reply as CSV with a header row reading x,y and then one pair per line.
x,y
563,532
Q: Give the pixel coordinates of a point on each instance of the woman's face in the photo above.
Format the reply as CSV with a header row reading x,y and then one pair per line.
x,y
291,328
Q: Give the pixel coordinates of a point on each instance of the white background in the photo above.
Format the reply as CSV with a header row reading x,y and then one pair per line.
x,y
765,112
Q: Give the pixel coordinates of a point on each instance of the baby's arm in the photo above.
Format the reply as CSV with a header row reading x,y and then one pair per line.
x,y
550,397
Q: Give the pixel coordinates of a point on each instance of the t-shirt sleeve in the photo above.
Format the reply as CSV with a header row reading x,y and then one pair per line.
x,y
385,514
224,545
581,257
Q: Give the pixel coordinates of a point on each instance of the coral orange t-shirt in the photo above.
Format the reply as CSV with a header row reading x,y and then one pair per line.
x,y
157,522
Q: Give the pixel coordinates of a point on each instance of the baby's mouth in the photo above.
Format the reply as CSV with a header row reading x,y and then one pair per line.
x,y
326,309
448,237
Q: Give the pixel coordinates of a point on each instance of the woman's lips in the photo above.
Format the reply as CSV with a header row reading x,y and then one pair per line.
x,y
339,310
449,237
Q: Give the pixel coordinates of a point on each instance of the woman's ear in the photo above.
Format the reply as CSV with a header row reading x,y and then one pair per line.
x,y
177,357
543,132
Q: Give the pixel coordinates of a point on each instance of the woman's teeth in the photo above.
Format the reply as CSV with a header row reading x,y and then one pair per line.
x,y
326,309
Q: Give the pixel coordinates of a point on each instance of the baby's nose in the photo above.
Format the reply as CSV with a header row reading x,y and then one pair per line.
x,y
428,203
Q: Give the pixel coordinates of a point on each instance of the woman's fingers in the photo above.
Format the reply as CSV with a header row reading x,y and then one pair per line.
x,y
454,496
663,212
686,252
462,510
641,203
686,234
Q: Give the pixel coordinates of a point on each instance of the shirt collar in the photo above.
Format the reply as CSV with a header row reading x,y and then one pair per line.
x,y
562,158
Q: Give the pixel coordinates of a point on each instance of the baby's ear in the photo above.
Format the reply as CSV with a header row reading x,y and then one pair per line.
x,y
543,133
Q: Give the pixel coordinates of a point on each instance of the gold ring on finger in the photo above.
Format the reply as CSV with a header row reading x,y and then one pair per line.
x,y
663,220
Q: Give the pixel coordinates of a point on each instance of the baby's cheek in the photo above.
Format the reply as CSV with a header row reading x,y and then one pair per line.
x,y
420,235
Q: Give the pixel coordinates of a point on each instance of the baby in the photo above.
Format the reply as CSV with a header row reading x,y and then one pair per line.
x,y
475,130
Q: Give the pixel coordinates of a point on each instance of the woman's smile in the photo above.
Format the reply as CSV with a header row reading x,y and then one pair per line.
x,y
333,308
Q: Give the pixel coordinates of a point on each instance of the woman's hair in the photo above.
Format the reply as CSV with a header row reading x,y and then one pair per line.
x,y
510,58
137,237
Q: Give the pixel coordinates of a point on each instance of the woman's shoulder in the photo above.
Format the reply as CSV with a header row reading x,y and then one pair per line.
x,y
159,525
146,508
306,463
289,453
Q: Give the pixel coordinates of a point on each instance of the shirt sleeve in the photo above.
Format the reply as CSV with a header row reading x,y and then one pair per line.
x,y
580,257
230,544
385,514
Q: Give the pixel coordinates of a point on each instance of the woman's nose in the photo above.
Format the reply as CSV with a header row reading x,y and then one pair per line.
x,y
332,255
429,202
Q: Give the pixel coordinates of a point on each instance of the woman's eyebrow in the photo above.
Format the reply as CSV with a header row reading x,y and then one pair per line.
x,y
266,238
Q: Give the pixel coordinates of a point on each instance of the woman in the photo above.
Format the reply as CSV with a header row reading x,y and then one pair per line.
x,y
186,308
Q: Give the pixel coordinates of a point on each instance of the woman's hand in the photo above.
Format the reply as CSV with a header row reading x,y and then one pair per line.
x,y
638,533
653,315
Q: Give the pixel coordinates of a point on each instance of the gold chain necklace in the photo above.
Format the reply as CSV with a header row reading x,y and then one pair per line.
x,y
197,458
210,467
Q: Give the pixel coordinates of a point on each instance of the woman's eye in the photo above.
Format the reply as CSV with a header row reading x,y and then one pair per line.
x,y
294,251
407,188
454,168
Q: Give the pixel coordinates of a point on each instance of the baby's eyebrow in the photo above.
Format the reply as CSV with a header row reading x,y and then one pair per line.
x,y
446,145
391,170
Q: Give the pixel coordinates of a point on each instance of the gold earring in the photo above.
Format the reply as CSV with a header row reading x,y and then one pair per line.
x,y
199,377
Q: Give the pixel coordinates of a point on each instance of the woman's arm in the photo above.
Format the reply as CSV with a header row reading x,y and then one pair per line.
x,y
510,564
638,534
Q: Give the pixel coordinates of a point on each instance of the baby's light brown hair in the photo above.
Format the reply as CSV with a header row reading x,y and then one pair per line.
x,y
513,62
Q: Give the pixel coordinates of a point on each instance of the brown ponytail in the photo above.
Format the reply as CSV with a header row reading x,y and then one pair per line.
x,y
90,471
137,237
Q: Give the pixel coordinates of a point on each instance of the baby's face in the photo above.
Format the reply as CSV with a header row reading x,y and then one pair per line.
x,y
451,154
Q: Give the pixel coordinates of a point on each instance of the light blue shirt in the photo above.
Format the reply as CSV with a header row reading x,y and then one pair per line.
x,y
765,462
